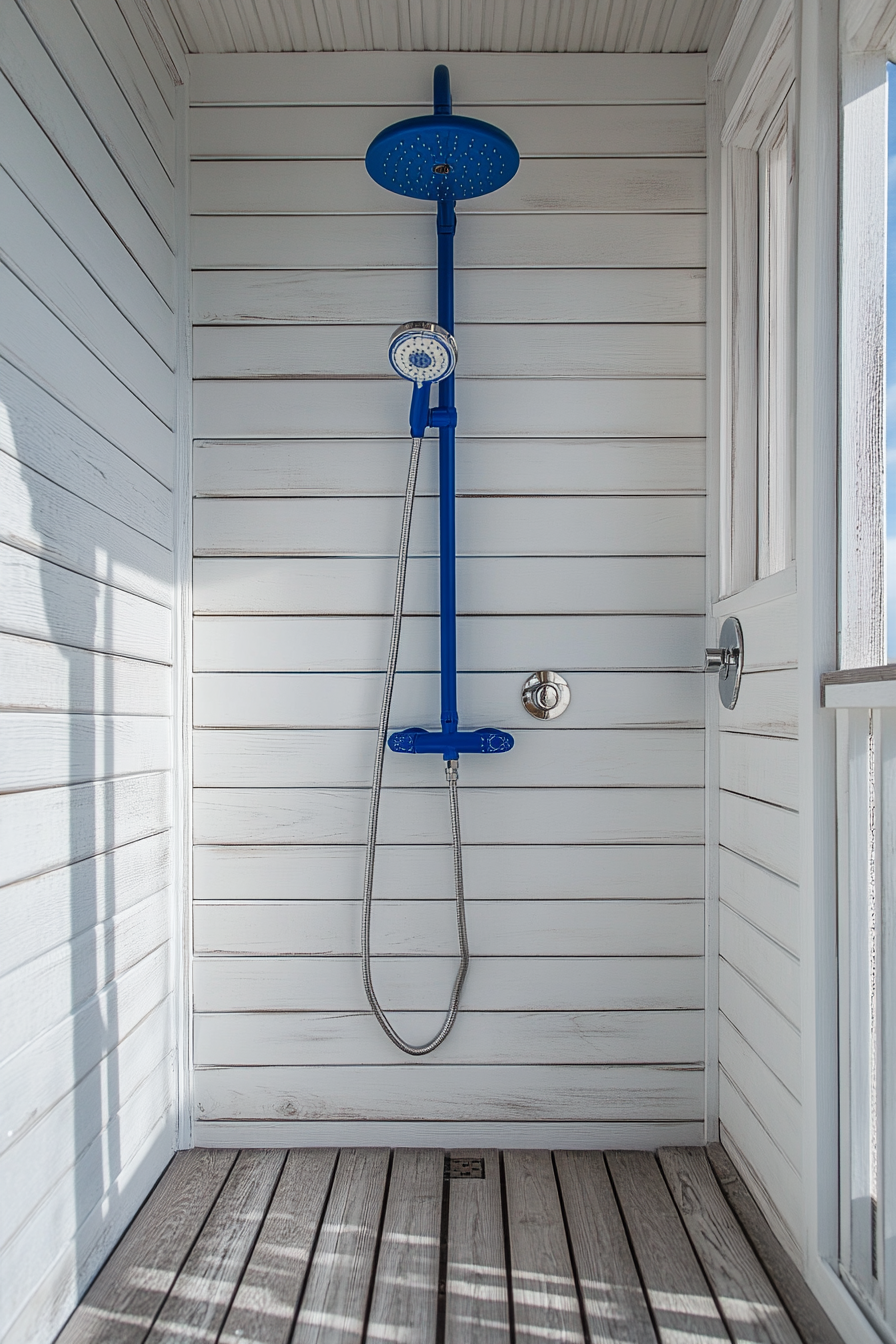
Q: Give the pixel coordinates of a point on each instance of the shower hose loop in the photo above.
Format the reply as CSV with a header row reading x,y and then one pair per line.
x,y
376,789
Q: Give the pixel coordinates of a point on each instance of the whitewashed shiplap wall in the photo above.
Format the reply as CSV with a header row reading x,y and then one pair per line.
x,y
580,324
87,404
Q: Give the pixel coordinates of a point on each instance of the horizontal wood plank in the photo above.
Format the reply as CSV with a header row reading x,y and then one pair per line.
x,y
236,242
420,816
49,522
767,703
767,900
34,1081
45,991
38,255
593,758
559,1037
79,59
352,700
91,468
495,644
423,984
334,586
591,185
47,828
638,1134
45,912
649,525
364,78
139,73
765,834
770,635
429,928
32,73
38,675
532,409
309,467
42,347
772,1101
766,768
548,131
39,751
373,298
774,1039
44,601
143,1060
451,1092
771,970
572,350
421,872
31,158
747,1142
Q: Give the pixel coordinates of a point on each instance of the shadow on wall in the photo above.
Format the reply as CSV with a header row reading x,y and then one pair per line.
x,y
63,1142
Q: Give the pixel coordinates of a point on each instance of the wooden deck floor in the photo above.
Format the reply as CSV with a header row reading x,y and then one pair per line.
x,y
416,1246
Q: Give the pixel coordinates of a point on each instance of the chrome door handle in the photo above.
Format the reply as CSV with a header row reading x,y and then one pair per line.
x,y
727,660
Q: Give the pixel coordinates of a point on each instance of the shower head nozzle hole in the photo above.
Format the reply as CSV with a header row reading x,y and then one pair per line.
x,y
442,168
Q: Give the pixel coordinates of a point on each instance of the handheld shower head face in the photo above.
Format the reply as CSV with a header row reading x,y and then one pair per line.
x,y
422,352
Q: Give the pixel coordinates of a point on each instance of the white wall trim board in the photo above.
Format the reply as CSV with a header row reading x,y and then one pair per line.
x,y
769,589
182,669
444,1134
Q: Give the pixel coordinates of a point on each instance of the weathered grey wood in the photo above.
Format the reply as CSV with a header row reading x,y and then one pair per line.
x,y
545,1298
406,1293
124,1299
333,1307
682,1304
750,1305
265,1304
810,1320
198,1302
476,1309
611,1290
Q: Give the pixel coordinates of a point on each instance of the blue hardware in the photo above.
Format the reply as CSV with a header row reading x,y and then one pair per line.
x,y
485,741
442,158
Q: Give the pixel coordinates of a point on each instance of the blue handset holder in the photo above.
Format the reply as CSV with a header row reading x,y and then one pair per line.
x,y
446,131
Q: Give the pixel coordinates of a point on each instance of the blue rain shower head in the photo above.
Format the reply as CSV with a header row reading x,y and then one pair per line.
x,y
442,157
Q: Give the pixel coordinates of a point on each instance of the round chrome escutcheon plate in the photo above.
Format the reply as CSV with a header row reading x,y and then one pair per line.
x,y
732,641
546,695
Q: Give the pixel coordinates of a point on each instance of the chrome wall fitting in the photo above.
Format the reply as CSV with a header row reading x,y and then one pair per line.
x,y
728,661
546,695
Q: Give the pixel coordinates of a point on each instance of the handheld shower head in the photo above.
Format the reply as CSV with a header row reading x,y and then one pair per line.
x,y
422,352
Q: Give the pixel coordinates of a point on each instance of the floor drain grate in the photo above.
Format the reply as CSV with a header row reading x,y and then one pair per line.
x,y
465,1168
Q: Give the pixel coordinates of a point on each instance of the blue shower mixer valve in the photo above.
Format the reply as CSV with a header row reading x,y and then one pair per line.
x,y
484,741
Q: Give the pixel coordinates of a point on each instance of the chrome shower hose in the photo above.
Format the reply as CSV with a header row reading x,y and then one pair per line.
x,y
376,788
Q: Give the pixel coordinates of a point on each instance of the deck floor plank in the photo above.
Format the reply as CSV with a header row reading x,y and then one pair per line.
x,y
197,1304
335,1302
476,1309
473,1246
266,1301
611,1290
406,1292
750,1305
545,1297
683,1306
126,1296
